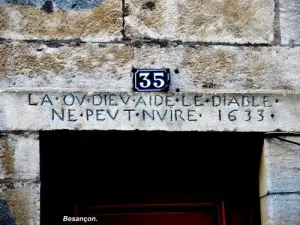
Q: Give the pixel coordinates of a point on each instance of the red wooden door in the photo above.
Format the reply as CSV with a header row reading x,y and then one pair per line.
x,y
156,214
178,218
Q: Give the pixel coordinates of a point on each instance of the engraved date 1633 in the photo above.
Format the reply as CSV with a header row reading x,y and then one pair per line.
x,y
246,115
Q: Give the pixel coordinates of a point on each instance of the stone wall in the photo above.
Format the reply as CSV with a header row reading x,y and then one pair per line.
x,y
279,180
228,44
19,176
228,47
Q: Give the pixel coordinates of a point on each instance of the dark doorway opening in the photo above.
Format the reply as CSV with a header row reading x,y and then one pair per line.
x,y
93,172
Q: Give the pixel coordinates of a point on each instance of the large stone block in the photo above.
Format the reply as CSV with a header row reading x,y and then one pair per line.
x,y
290,21
109,67
97,21
23,199
207,20
280,209
280,167
19,156
187,111
88,65
225,67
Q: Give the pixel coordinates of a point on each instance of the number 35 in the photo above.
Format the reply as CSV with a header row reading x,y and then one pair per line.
x,y
158,82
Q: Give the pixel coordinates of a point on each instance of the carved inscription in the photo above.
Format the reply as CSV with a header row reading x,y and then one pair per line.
x,y
174,108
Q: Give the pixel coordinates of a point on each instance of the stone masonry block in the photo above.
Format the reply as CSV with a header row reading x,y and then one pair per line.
x,y
280,209
108,67
233,21
225,67
23,200
280,167
88,65
290,21
19,156
97,21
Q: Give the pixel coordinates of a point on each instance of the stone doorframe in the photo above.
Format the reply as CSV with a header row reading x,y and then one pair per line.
x,y
279,177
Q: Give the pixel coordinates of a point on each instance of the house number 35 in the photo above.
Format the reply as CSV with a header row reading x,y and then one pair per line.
x,y
151,79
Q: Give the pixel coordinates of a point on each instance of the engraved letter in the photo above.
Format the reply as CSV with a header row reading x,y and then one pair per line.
x,y
29,100
216,100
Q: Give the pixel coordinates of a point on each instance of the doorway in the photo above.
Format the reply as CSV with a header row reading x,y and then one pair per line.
x,y
150,177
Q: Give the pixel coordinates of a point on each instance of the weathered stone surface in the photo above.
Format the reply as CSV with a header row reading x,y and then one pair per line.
x,y
209,20
23,199
220,67
280,209
280,169
64,4
103,23
290,21
6,217
19,156
90,65
109,67
88,110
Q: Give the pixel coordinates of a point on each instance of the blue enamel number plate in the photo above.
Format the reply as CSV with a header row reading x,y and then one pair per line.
x,y
151,79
